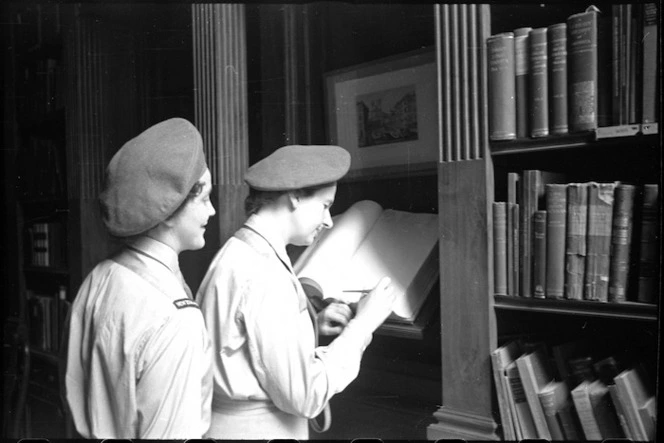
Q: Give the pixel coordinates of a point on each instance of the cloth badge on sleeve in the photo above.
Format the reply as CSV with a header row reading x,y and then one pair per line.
x,y
185,303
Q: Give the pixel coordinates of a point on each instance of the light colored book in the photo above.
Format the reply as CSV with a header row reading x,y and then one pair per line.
x,y
367,243
535,375
501,358
635,401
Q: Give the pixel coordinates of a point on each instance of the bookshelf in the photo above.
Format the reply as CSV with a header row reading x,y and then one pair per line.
x,y
623,146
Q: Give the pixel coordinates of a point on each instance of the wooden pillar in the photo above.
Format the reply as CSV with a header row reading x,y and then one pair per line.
x,y
465,189
220,98
97,121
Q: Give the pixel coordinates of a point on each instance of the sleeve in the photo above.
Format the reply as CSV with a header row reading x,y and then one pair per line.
x,y
174,391
299,378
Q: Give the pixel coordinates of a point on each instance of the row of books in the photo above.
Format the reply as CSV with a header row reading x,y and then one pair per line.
x,y
47,314
578,241
47,244
597,69
41,169
571,399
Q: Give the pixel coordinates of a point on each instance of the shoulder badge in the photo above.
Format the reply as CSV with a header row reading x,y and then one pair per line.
x,y
185,303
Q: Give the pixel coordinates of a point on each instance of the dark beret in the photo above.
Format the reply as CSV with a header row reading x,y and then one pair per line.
x,y
151,176
298,166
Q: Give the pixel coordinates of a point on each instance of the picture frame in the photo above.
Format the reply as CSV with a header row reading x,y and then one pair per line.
x,y
385,113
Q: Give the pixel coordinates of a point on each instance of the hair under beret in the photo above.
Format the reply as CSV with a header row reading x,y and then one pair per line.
x,y
298,166
151,176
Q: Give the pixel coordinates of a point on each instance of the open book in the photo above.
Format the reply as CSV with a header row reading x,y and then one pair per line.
x,y
367,243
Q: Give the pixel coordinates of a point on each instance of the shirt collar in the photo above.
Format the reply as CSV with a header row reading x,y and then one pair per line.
x,y
267,231
158,251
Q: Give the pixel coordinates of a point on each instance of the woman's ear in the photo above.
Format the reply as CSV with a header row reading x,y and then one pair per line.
x,y
293,200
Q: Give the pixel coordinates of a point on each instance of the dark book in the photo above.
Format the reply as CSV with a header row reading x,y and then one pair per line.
x,y
501,79
533,182
500,248
621,242
634,64
598,238
516,258
556,222
604,66
604,411
650,64
539,254
522,74
618,117
510,251
539,83
582,64
648,289
557,44
575,250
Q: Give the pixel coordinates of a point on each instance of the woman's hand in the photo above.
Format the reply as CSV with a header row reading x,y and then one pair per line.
x,y
376,306
334,318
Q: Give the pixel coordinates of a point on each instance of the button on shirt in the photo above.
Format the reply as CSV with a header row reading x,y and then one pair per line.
x,y
138,365
262,334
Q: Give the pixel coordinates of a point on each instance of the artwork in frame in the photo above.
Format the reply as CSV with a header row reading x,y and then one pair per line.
x,y
385,113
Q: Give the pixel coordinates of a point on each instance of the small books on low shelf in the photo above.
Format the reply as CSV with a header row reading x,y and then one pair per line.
x,y
367,243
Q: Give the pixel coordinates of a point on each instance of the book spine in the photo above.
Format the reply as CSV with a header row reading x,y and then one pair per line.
x,y
539,85
522,74
539,254
577,216
556,222
557,41
620,411
585,412
500,248
548,400
649,251
527,209
633,65
621,242
617,118
604,58
605,414
650,58
600,214
509,240
501,78
582,63
515,257
524,415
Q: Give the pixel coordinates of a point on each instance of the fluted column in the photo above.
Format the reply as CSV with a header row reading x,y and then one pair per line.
x,y
465,194
220,97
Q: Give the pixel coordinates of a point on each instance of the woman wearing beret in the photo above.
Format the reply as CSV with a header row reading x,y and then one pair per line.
x,y
138,357
270,376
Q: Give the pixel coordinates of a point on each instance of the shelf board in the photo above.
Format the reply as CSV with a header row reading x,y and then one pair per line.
x,y
590,139
627,310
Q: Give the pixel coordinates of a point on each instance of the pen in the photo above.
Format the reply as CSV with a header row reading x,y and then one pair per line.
x,y
363,291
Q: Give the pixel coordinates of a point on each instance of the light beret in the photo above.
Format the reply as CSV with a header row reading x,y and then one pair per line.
x,y
151,176
298,166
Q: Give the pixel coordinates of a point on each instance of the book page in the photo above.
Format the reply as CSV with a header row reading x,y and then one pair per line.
x,y
321,264
398,247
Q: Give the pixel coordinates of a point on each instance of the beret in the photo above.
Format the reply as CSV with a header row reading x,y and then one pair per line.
x,y
298,166
151,176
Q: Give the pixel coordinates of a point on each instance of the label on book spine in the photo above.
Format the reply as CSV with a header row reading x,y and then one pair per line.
x,y
557,40
539,89
501,78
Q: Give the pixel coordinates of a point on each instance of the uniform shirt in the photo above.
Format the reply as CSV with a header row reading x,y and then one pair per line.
x,y
138,365
262,334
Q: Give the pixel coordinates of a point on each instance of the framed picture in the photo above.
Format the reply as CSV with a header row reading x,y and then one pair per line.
x,y
385,112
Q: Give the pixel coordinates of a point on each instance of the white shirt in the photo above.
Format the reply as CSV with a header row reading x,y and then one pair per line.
x,y
138,365
263,336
